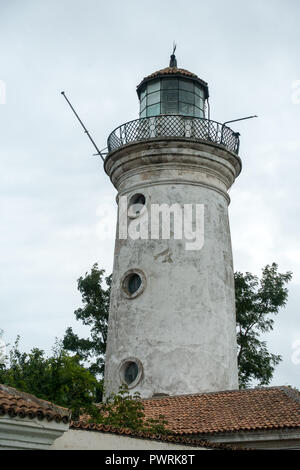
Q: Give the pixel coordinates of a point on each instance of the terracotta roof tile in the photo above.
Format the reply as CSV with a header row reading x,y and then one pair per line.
x,y
170,438
173,71
21,404
208,413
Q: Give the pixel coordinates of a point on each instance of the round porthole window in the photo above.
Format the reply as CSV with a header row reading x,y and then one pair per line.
x,y
133,283
136,205
131,371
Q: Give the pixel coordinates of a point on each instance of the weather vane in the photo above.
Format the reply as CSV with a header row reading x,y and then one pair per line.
x,y
174,47
173,61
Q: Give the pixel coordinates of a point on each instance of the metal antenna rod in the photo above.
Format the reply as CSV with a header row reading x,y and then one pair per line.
x,y
236,133
85,129
241,119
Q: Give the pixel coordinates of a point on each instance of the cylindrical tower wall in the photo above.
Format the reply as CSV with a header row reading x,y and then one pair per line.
x,y
180,328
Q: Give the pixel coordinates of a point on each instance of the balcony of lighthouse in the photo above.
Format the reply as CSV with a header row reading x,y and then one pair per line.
x,y
173,126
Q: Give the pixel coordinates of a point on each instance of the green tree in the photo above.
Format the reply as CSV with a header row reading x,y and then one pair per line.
x,y
257,301
123,410
94,313
58,378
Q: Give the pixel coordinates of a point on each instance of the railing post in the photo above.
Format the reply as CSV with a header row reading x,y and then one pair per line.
x,y
156,126
222,133
125,132
237,142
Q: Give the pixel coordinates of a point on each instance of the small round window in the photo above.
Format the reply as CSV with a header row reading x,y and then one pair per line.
x,y
133,283
136,205
131,372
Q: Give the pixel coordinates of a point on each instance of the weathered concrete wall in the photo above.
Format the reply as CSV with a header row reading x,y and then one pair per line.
x,y
259,439
182,326
18,433
93,440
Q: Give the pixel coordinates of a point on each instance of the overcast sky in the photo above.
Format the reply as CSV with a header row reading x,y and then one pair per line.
x,y
54,193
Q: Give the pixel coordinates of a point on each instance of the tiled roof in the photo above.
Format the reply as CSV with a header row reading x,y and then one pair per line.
x,y
229,411
173,71
85,426
16,403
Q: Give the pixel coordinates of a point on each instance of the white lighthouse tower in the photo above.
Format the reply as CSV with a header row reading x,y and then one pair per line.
x,y
172,326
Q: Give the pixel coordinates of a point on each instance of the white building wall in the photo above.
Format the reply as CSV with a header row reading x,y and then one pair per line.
x,y
18,433
95,440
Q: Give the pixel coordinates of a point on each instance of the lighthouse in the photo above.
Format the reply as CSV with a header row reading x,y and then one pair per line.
x,y
172,325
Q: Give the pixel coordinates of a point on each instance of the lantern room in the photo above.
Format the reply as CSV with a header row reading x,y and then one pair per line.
x,y
172,91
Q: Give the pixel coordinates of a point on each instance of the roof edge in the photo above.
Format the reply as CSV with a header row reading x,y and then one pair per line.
x,y
283,388
168,438
17,403
173,72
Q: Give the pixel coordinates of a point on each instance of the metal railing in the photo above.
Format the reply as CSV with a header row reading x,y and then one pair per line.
x,y
173,126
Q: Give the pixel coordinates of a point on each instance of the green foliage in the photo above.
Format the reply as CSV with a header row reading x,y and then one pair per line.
x,y
123,410
59,378
64,380
256,300
94,313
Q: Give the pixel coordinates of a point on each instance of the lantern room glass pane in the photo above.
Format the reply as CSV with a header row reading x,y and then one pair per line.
x,y
186,109
169,84
153,110
153,98
170,107
186,85
143,113
169,96
199,90
198,101
143,103
153,86
143,94
198,112
186,97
